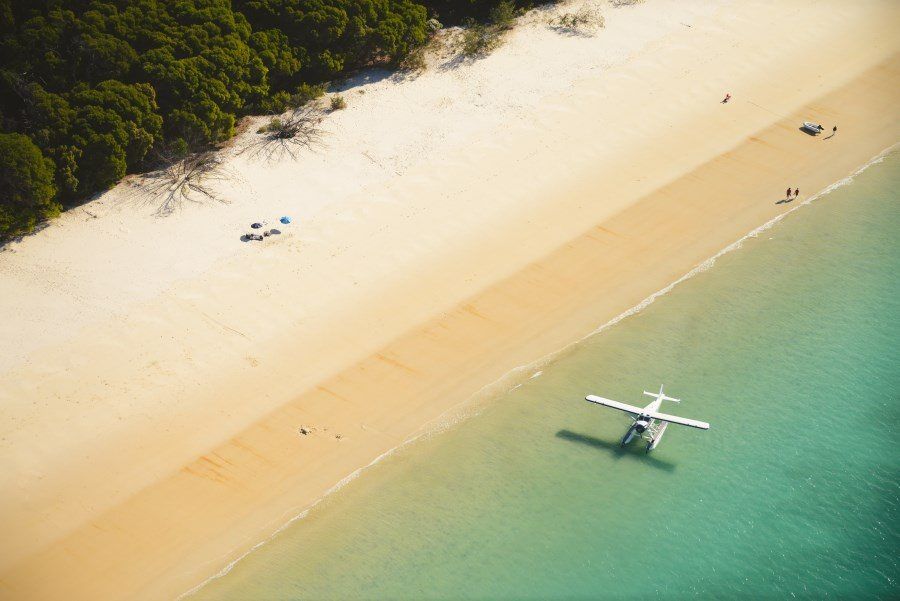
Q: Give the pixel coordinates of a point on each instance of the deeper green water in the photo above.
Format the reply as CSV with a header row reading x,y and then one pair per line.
x,y
788,347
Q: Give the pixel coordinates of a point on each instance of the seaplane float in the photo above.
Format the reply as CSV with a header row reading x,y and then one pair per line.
x,y
648,422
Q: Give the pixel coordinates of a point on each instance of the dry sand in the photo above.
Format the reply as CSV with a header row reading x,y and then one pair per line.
x,y
452,227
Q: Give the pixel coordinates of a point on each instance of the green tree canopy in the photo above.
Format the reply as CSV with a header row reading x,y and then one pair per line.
x,y
115,125
26,185
98,84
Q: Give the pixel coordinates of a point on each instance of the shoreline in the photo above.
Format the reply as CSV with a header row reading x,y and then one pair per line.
x,y
524,278
468,408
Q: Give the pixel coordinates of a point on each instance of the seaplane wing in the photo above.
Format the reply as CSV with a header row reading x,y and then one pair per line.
x,y
614,404
674,419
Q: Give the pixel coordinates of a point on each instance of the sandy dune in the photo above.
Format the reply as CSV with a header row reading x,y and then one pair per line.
x,y
451,227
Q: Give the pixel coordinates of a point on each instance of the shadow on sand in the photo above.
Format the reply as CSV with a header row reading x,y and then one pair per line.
x,y
6,245
361,78
572,31
616,450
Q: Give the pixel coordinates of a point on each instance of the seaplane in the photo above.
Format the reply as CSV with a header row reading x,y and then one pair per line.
x,y
649,423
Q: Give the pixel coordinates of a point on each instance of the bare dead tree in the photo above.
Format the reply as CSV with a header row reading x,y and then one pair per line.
x,y
186,179
289,134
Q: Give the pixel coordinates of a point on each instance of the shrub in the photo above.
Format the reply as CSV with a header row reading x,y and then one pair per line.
x,y
479,40
277,103
307,92
274,125
503,15
283,101
584,20
414,61
26,185
417,58
338,103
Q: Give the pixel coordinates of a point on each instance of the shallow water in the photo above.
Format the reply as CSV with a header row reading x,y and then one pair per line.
x,y
788,347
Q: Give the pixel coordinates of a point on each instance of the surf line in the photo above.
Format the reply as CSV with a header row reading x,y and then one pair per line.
x,y
505,383
516,376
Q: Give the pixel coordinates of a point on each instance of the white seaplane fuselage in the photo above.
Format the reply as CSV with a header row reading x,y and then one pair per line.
x,y
643,422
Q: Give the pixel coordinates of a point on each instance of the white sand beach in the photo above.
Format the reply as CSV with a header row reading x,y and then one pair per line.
x,y
451,226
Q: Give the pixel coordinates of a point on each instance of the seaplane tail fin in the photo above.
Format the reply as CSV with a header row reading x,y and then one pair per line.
x,y
661,396
599,400
682,421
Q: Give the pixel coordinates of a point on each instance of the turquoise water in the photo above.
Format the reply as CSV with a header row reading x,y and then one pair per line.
x,y
788,347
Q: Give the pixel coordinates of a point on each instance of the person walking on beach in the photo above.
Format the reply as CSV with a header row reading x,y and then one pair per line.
x,y
727,98
797,193
788,194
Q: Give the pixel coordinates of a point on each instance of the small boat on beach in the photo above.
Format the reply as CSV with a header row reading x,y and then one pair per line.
x,y
813,128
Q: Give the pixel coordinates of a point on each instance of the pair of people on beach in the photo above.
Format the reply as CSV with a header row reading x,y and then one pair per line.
x,y
796,192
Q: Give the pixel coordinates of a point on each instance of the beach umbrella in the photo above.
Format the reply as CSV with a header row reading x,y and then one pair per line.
x,y
285,220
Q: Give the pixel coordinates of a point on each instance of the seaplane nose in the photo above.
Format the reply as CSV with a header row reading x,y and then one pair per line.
x,y
641,426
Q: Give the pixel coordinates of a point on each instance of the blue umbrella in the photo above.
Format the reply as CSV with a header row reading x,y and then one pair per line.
x,y
285,220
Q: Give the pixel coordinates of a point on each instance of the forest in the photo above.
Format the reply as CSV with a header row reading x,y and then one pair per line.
x,y
93,90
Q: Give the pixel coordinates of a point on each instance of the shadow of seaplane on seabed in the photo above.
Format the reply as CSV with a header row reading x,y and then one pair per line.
x,y
615,449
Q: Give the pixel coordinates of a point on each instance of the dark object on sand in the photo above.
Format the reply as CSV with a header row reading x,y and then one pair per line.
x,y
254,237
286,220
727,98
256,226
813,128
